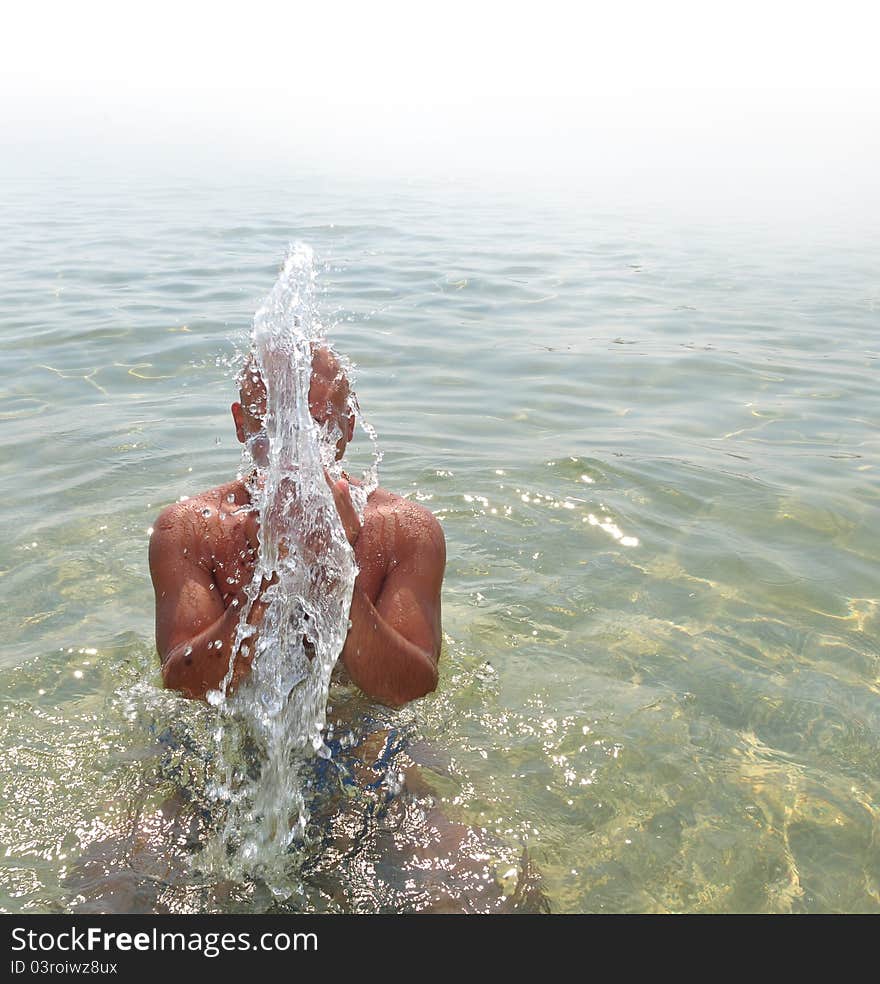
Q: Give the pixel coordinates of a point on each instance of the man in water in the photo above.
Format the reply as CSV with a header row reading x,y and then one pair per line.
x,y
202,556
203,551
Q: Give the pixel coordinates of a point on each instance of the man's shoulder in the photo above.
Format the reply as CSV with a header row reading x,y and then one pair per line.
x,y
209,499
384,502
180,519
414,525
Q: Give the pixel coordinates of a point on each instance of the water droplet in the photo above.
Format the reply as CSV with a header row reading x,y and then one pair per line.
x,y
206,512
230,497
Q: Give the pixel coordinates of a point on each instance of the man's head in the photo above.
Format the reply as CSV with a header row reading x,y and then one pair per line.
x,y
329,398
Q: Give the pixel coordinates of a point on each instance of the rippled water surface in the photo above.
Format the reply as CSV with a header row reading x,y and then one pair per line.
x,y
653,448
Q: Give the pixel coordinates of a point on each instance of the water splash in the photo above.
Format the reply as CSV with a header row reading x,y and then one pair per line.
x,y
304,576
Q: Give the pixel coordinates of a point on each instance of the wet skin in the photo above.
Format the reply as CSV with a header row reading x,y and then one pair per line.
x,y
202,555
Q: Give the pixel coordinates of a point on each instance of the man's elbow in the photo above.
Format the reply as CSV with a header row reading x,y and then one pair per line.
x,y
416,686
175,677
171,675
424,687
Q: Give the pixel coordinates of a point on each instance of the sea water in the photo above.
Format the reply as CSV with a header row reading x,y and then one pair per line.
x,y
672,708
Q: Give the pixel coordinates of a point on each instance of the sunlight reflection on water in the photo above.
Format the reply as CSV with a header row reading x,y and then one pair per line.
x,y
653,454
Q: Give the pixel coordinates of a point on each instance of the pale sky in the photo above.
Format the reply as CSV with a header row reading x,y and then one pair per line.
x,y
598,89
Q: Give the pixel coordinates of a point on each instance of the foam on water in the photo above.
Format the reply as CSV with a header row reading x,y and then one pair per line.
x,y
305,574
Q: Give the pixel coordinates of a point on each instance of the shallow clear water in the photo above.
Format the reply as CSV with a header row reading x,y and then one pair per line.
x,y
653,447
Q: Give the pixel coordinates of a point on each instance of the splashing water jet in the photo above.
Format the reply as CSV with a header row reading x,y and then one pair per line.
x,y
304,576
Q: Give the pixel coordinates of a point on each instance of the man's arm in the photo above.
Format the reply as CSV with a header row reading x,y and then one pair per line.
x,y
393,648
190,618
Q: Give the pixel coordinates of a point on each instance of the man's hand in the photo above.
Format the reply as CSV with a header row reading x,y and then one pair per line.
x,y
351,522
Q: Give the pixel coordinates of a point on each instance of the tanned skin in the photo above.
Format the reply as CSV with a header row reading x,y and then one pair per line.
x,y
202,555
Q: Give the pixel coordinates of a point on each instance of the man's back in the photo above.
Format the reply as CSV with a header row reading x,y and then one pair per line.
x,y
202,557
